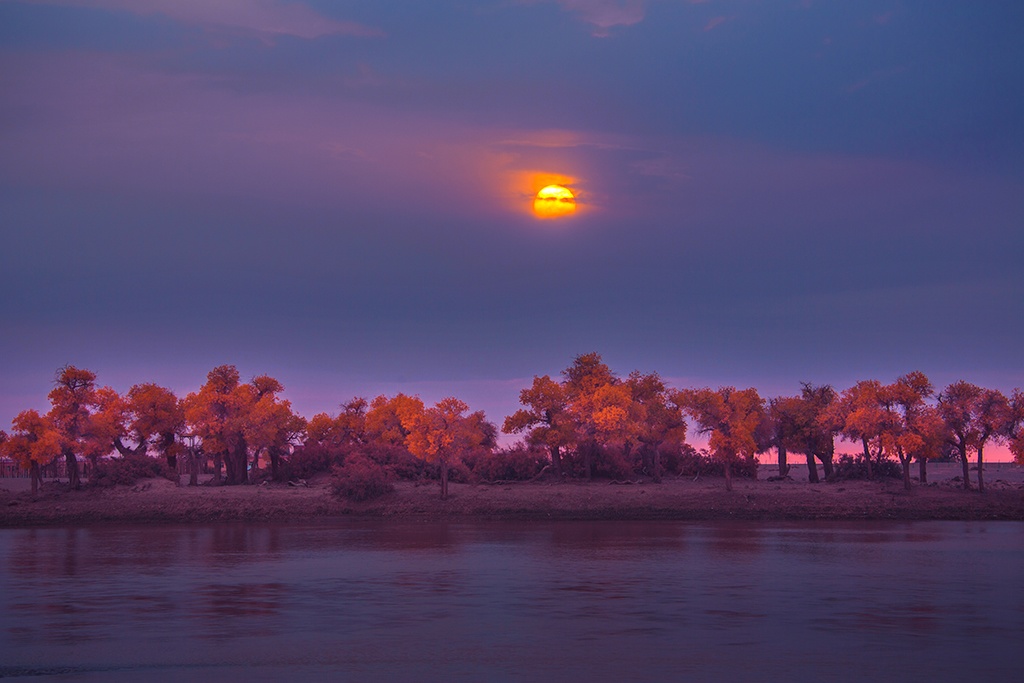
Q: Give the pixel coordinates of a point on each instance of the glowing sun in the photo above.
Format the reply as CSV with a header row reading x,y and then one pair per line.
x,y
554,201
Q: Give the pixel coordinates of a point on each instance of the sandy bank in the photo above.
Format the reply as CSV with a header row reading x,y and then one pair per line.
x,y
704,499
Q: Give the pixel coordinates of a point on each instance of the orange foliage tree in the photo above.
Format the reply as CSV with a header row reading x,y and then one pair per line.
x,y
83,416
545,419
444,433
731,416
911,428
349,427
858,415
270,426
1015,426
33,442
598,405
974,416
152,416
387,421
656,419
216,414
810,430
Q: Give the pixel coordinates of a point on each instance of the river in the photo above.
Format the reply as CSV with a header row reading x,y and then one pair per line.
x,y
566,601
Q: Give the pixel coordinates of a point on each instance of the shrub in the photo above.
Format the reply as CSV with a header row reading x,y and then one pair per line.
x,y
397,459
129,469
692,463
612,463
518,463
309,460
360,479
855,467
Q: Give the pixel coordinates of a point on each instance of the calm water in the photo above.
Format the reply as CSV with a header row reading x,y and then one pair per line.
x,y
623,601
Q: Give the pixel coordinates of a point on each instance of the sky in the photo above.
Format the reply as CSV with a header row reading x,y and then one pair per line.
x,y
338,193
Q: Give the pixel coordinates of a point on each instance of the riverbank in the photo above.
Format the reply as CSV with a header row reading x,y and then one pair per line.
x,y
158,500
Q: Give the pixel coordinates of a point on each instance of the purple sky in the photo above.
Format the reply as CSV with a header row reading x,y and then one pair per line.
x,y
337,193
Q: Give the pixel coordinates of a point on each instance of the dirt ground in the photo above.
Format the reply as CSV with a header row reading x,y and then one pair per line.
x,y
705,498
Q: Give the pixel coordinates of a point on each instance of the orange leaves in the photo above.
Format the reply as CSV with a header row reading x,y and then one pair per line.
x,y
731,416
152,410
443,432
384,421
33,439
545,414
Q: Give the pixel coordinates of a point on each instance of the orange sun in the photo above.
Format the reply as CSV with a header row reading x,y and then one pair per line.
x,y
554,201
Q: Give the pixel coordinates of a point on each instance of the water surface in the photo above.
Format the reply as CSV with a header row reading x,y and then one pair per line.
x,y
573,601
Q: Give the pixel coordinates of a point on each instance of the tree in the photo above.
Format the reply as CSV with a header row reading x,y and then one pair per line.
x,y
73,401
780,426
153,416
1015,426
973,417
803,426
732,418
656,418
545,419
911,428
348,428
384,421
815,435
443,433
270,426
858,415
33,442
956,405
993,413
217,414
597,405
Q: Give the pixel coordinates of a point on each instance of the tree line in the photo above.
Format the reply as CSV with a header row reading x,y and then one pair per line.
x,y
587,422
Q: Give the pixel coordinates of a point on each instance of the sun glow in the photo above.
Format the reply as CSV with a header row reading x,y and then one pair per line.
x,y
554,201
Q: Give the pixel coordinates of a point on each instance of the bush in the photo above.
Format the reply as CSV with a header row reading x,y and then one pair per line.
x,y
309,460
360,479
692,463
855,467
518,463
611,463
398,460
128,470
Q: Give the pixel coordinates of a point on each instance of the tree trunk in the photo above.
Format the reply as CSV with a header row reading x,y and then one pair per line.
x,y
728,476
254,472
556,460
657,465
275,464
172,462
783,465
444,480
36,477
867,458
812,469
922,470
588,456
967,467
193,468
981,478
72,465
242,459
229,467
905,462
218,466
826,466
